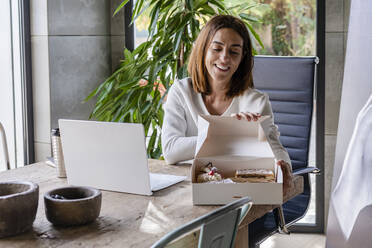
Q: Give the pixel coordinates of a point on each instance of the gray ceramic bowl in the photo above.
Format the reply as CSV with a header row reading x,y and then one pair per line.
x,y
18,206
72,206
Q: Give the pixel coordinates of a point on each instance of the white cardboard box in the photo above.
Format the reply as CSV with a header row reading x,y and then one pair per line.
x,y
232,144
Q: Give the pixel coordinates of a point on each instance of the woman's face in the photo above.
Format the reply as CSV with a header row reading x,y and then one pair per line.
x,y
223,55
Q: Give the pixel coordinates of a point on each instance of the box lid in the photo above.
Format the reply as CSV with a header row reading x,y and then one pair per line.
x,y
223,135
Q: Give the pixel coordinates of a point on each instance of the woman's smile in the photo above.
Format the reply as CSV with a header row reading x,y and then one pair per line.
x,y
223,68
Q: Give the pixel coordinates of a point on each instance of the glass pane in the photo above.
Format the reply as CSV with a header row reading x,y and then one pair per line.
x,y
287,28
309,218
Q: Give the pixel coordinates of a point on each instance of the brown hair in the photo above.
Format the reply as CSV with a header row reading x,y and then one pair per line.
x,y
242,78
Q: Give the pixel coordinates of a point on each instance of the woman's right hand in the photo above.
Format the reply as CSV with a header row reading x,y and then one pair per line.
x,y
246,116
288,183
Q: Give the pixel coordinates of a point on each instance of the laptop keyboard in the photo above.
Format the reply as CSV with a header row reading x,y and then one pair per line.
x,y
161,181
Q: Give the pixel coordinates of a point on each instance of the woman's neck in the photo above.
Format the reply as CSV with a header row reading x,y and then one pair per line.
x,y
216,96
217,102
218,90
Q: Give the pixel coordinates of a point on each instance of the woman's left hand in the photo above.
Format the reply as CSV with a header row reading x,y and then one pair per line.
x,y
287,177
246,116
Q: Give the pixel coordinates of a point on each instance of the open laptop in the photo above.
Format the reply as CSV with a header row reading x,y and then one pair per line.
x,y
109,156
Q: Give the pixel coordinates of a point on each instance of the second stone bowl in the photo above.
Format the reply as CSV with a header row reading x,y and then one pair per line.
x,y
72,206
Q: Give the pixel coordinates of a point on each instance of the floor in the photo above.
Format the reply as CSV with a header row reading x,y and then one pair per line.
x,y
295,240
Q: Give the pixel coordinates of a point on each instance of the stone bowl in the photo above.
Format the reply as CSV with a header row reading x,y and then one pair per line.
x,y
18,206
72,206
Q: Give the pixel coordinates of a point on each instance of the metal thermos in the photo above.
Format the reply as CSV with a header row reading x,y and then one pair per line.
x,y
57,153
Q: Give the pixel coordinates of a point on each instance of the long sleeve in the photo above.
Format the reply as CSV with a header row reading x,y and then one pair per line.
x,y
175,143
272,133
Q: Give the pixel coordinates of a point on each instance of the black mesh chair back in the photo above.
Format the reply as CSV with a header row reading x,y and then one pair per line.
x,y
289,82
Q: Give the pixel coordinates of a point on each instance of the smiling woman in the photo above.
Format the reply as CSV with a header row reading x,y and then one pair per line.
x,y
221,83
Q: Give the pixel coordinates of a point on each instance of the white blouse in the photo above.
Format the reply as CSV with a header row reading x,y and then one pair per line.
x,y
180,124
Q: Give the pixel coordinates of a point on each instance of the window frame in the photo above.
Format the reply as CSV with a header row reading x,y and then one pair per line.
x,y
26,80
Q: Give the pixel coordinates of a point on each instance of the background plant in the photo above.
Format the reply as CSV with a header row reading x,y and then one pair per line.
x,y
136,90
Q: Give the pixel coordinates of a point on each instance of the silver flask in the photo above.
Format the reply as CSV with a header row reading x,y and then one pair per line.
x,y
57,153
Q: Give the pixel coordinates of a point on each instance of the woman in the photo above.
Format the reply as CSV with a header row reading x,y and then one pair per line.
x,y
221,83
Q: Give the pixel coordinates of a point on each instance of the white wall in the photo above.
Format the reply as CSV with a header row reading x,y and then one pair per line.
x,y
10,83
6,82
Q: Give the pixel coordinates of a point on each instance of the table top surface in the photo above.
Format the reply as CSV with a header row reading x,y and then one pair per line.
x,y
126,220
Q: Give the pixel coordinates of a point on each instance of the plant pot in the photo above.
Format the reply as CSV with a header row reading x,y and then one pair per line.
x,y
18,206
72,206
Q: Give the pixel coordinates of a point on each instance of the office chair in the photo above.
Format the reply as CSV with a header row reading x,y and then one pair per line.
x,y
5,146
217,228
289,82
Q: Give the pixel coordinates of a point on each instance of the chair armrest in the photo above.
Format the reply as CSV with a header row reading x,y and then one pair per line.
x,y
307,170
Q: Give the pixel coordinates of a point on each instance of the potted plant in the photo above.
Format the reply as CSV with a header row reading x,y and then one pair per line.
x,y
136,90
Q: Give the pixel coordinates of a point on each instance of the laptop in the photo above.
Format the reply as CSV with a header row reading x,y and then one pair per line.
x,y
109,156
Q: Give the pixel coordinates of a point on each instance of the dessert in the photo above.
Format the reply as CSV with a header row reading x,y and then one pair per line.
x,y
254,176
208,174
